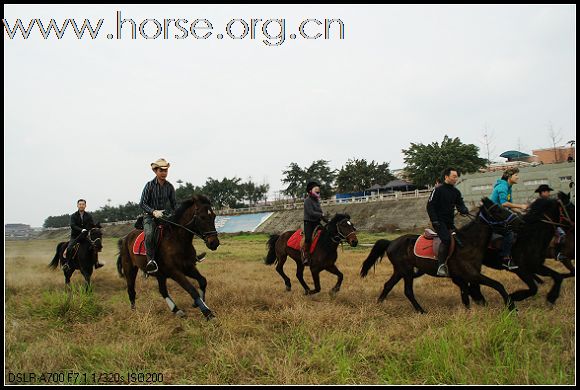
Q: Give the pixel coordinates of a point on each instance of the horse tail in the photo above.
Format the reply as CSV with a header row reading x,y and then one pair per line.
x,y
271,256
56,259
376,254
120,258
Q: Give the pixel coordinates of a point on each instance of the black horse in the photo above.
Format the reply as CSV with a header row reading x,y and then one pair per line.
x,y
176,254
85,256
529,251
339,229
464,264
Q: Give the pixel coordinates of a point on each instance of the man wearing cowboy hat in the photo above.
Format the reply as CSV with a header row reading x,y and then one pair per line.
x,y
157,200
312,216
544,191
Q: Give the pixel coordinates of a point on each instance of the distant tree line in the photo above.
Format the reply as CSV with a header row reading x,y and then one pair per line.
x,y
424,164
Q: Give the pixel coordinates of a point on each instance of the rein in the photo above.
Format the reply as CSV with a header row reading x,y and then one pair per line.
x,y
203,235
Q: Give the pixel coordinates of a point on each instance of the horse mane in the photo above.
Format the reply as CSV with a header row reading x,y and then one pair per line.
x,y
339,217
540,207
186,204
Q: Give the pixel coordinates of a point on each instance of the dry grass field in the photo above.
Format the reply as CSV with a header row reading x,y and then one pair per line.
x,y
265,335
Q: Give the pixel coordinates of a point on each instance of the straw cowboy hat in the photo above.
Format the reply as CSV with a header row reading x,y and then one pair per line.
x,y
160,163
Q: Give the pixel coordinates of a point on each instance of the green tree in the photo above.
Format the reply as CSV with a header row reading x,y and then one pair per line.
x,y
254,193
358,175
57,221
296,178
227,192
185,192
425,163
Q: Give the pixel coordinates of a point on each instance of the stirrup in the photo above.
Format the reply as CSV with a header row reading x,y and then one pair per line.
x,y
561,257
151,267
442,270
509,264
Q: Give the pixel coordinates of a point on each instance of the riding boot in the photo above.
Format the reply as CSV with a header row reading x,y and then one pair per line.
x,y
458,242
305,252
67,263
442,260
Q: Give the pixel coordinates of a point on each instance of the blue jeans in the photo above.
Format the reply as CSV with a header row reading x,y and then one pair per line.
x,y
149,226
506,245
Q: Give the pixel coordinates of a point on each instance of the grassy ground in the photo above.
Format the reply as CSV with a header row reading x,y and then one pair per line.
x,y
265,335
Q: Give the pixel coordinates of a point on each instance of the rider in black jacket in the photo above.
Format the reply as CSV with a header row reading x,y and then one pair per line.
x,y
440,207
80,223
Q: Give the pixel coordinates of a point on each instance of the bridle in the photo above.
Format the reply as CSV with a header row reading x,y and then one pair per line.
x,y
506,222
91,241
340,236
193,225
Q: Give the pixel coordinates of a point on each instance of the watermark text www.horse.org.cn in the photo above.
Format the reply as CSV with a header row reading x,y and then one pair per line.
x,y
272,32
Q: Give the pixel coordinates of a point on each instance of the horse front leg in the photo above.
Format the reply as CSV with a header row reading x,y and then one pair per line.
x,y
165,294
194,273
181,279
334,270
316,278
554,292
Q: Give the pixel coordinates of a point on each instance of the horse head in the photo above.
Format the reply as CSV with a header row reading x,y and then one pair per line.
x,y
494,214
343,229
568,210
197,215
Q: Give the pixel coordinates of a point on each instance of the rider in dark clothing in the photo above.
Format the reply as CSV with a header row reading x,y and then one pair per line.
x,y
440,207
80,222
312,216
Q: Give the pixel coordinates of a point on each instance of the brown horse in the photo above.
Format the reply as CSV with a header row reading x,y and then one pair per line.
x,y
84,258
175,253
464,263
568,225
323,258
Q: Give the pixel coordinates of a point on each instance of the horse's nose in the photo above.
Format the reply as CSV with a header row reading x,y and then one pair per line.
x,y
354,243
213,243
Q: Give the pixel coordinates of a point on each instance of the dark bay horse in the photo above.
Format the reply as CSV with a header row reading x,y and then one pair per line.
x,y
529,251
464,264
175,253
89,245
339,229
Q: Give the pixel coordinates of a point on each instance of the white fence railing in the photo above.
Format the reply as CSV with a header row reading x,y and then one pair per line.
x,y
355,199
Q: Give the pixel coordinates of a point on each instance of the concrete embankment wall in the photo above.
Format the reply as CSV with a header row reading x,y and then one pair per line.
x,y
385,216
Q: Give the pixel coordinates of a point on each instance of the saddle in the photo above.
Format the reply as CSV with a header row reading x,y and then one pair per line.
x,y
427,245
139,223
296,241
139,245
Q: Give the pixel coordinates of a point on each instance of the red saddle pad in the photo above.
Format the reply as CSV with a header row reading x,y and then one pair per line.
x,y
294,241
139,245
424,248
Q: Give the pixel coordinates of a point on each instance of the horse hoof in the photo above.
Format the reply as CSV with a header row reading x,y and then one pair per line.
x,y
180,313
209,315
133,306
288,288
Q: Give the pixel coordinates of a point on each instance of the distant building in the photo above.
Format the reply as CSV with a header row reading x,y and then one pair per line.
x,y
18,231
554,155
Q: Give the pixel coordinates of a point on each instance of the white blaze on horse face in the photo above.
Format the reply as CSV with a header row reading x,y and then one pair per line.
x,y
349,222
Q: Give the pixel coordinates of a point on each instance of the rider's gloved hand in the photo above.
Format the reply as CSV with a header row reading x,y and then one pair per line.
x,y
83,231
158,213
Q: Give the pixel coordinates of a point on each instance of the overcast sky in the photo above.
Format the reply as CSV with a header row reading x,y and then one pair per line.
x,y
84,118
